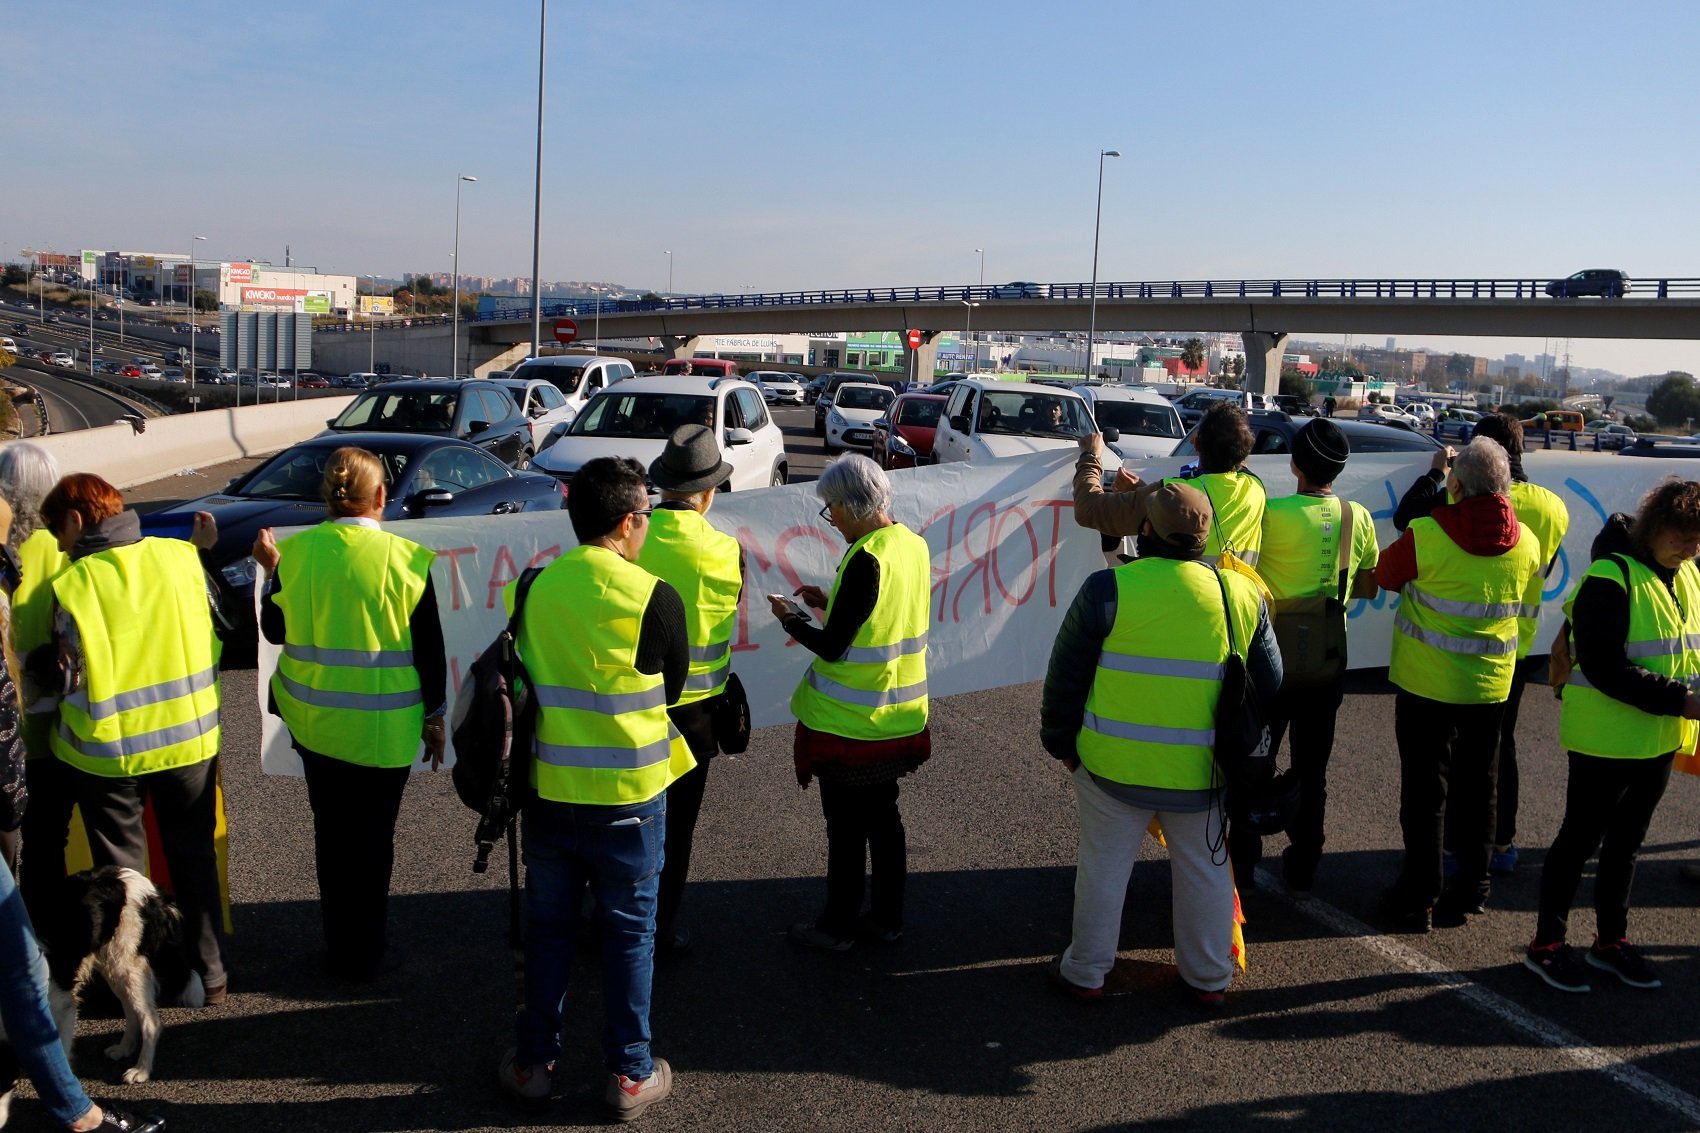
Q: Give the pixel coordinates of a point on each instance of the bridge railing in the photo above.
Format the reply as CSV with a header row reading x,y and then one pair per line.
x,y
1216,289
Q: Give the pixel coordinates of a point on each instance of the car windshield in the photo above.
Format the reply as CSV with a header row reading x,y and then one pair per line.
x,y
408,410
299,473
649,415
1032,414
923,414
1143,420
853,397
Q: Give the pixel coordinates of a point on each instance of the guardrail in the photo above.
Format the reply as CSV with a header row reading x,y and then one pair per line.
x,y
1449,290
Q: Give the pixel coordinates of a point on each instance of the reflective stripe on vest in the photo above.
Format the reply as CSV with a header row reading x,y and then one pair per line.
x,y
603,734
1455,633
1663,637
150,695
1150,716
878,689
703,565
1544,513
346,684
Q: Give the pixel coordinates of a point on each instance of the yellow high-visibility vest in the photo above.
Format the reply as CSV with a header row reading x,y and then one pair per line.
x,y
346,683
39,562
685,551
1237,500
1544,514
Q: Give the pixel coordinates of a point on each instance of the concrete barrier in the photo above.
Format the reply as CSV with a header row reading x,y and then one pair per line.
x,y
126,458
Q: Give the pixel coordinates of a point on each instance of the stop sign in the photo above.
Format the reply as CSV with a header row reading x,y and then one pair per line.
x,y
565,330
914,340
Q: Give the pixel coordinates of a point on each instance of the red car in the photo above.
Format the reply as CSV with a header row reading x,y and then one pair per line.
x,y
314,381
131,371
911,442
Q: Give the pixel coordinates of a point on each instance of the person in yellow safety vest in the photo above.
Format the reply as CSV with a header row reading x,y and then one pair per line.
x,y
1461,574
706,567
1222,440
27,473
1129,708
1303,558
1629,705
1544,513
135,661
861,706
606,650
360,685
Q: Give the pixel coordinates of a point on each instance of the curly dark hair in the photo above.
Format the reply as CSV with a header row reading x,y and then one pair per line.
x,y
1503,427
1223,439
1673,503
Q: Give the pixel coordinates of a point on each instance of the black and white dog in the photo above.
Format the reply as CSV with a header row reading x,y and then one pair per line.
x,y
113,922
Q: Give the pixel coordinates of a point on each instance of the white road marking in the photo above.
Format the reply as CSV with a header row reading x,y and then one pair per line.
x,y
1544,1031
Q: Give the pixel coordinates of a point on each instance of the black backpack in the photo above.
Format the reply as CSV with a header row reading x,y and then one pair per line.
x,y
496,720
1258,797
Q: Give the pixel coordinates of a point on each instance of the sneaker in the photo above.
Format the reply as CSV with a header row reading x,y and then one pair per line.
x,y
530,1084
117,1121
1558,966
629,1097
1624,961
806,934
1503,861
1053,973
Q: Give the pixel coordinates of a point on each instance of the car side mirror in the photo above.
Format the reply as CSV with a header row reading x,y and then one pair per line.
x,y
330,422
739,436
1111,434
960,422
882,423
476,427
432,497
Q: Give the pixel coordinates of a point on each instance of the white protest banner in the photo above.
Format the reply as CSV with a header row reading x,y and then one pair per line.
x,y
1007,561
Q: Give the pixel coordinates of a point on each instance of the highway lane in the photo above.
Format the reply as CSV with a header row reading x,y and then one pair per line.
x,y
74,405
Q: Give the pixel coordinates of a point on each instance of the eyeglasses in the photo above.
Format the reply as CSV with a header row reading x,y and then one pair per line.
x,y
645,512
826,513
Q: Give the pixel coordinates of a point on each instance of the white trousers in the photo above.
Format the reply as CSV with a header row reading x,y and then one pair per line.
x,y
1110,835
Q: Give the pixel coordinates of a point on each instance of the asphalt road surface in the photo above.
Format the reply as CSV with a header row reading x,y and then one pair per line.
x,y
1334,1026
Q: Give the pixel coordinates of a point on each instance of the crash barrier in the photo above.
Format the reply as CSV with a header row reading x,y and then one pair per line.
x,y
1007,559
127,455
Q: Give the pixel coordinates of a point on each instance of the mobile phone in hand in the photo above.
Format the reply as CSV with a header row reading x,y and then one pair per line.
x,y
790,606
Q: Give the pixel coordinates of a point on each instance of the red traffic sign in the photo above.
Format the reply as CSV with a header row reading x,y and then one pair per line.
x,y
565,330
914,340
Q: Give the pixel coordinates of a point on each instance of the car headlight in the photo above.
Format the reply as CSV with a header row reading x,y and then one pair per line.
x,y
900,445
241,573
836,421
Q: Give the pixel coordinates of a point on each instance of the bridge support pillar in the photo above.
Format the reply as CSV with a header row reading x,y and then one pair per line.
x,y
678,346
1263,350
923,361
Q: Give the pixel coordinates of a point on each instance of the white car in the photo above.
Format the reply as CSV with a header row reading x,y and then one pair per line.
x,y
985,420
777,387
149,370
851,416
1375,411
635,418
543,404
1421,411
62,360
579,377
1146,420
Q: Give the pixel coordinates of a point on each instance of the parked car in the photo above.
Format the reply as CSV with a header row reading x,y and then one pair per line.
x,y
314,381
701,367
1147,421
471,410
829,386
1456,424
1610,434
1607,283
219,377
542,403
1272,433
985,420
776,387
579,377
1376,411
812,387
855,408
355,381
424,476
1421,411
1192,404
903,438
635,418
1295,406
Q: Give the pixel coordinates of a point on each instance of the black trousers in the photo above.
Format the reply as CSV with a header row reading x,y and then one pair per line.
x,y
185,807
863,831
46,828
1305,716
354,817
1505,784
695,722
1608,804
1446,765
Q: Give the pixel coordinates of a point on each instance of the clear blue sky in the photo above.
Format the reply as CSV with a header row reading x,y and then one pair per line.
x,y
792,145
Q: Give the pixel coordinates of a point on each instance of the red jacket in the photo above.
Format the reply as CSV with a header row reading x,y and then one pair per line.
x,y
1481,525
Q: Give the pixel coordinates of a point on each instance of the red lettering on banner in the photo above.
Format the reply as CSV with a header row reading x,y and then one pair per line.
x,y
752,554
941,575
997,546
980,566
454,673
544,557
1056,507
453,554
781,559
504,558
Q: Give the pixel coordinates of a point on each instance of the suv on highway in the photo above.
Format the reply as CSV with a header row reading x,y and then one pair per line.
x,y
1607,283
988,420
469,410
579,377
635,418
1147,422
1192,404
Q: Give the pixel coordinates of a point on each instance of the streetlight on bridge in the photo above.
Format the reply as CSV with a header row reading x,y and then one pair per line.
x,y
194,401
669,256
1097,224
454,342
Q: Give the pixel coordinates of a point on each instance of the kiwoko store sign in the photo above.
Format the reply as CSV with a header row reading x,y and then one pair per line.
x,y
274,298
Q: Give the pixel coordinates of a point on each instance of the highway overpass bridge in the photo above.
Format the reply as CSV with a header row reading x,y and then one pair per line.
x,y
1262,312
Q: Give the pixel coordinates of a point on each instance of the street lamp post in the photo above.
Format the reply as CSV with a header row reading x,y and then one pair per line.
x,y
194,401
454,343
1097,224
371,326
968,333
669,256
982,254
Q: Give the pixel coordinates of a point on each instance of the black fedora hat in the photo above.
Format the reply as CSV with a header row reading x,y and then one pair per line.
x,y
690,462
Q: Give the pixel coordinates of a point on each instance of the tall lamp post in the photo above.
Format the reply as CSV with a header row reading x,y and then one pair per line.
x,y
981,252
371,326
669,256
1097,224
454,343
968,333
194,401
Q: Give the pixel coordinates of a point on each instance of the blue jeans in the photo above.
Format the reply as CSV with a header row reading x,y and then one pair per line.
x,y
617,851
23,1008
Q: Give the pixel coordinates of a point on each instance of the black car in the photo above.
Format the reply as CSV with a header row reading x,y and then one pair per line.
x,y
1607,283
1273,432
424,477
1294,406
469,409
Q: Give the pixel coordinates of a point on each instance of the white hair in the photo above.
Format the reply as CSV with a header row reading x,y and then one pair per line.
x,y
27,473
856,484
1482,468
